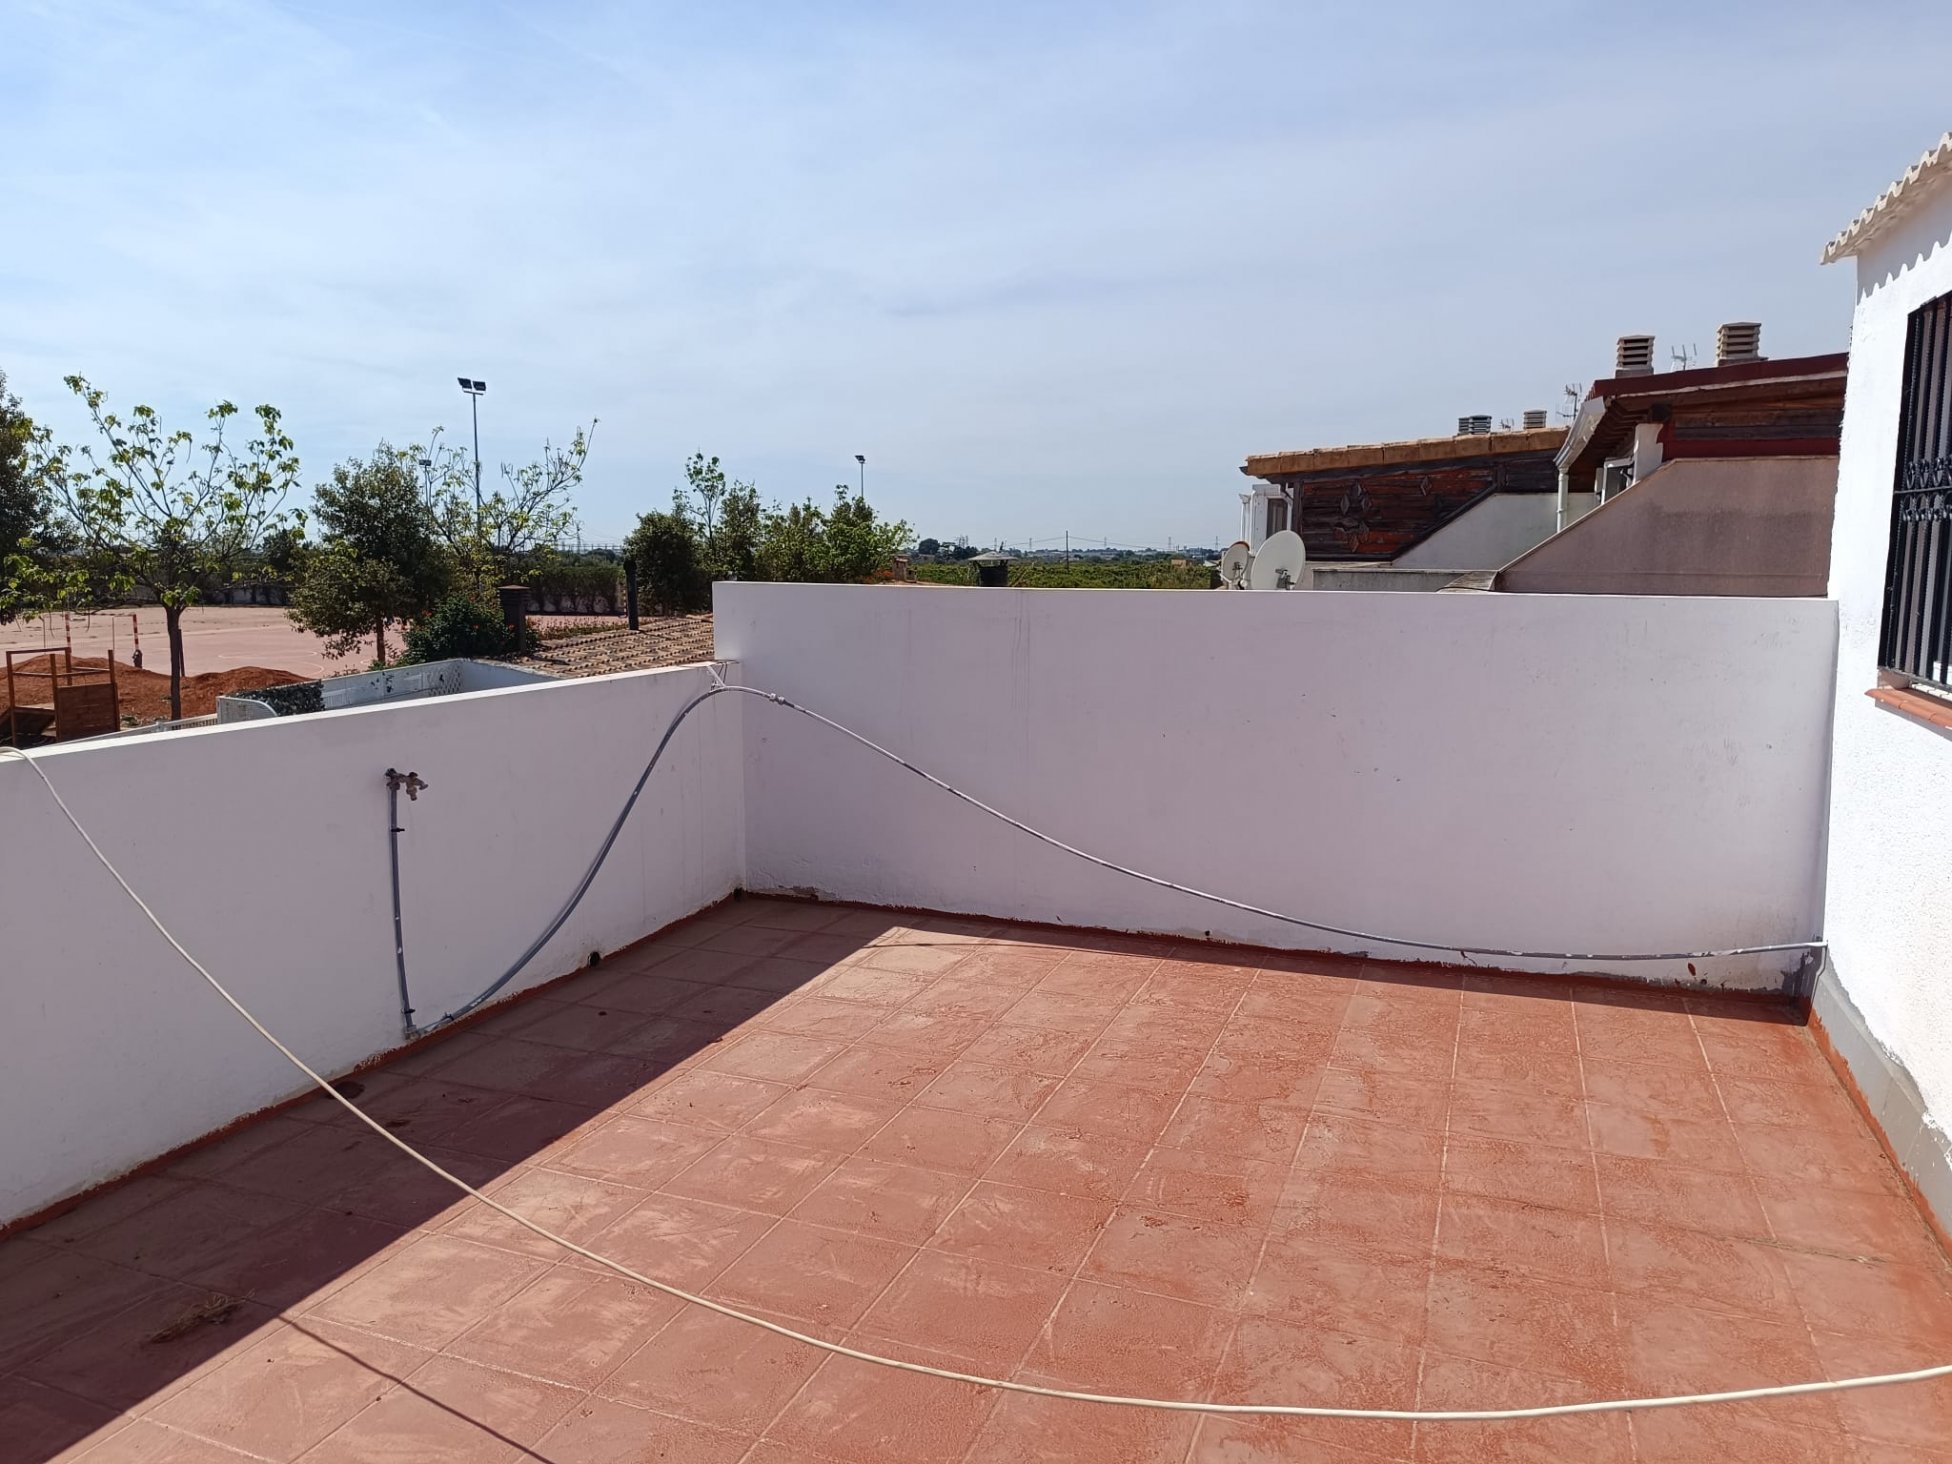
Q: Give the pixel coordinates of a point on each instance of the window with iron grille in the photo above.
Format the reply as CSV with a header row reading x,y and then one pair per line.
x,y
1917,638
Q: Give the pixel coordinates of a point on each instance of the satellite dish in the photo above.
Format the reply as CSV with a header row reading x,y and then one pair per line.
x,y
1234,562
1281,564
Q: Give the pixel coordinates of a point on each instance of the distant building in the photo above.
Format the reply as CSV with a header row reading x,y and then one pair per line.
x,y
1732,470
1471,501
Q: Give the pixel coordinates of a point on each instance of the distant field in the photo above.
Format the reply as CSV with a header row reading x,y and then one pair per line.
x,y
1081,574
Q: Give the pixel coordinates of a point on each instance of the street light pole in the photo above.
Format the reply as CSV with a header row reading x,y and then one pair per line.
x,y
474,389
862,459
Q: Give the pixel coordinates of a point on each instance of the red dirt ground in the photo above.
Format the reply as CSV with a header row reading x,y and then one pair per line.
x,y
144,695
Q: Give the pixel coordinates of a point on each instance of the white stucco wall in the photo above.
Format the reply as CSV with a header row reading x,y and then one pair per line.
x,y
1491,532
263,846
1552,773
1890,855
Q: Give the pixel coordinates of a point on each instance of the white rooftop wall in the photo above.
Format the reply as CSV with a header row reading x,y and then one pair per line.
x,y
1890,868
1569,773
264,847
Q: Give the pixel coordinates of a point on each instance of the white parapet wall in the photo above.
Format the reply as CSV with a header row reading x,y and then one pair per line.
x,y
264,847
1576,773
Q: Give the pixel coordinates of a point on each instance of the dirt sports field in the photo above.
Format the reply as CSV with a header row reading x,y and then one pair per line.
x,y
215,638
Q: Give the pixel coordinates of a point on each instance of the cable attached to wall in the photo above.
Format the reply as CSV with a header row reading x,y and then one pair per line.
x,y
721,687
1169,1405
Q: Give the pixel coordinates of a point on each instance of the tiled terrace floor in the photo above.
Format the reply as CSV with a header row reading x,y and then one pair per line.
x,y
1102,1164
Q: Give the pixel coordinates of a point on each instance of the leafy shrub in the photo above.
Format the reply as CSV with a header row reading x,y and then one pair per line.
x,y
463,626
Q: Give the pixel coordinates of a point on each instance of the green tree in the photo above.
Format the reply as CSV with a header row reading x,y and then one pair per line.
x,y
491,540
23,509
379,559
461,625
846,543
151,509
665,546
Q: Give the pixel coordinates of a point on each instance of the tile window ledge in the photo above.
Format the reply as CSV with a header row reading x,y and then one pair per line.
x,y
1932,709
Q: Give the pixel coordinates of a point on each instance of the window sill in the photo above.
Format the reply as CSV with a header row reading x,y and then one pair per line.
x,y
1931,709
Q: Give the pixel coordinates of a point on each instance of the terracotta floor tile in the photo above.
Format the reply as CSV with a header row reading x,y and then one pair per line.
x,y
870,1415
923,955
1688,1435
1665,1092
183,1234
1881,1227
880,1073
1638,1135
1414,1054
1175,1255
838,1123
823,1277
648,992
1912,1414
1519,1069
1513,1320
1030,1049
572,1205
1719,1271
1871,1298
927,1032
1243,1077
1635,1034
1460,1383
987,1090
432,1291
42,1423
984,1312
1113,1110
1673,1194
1221,1189
1760,1049
1365,1214
966,996
1265,1131
1543,1028
724,1006
1073,1016
598,1079
1560,1179
583,1028
933,1138
893,1201
775,1057
1316,1285
823,1016
1023,1429
683,1242
1240,1439
869,985
997,1222
309,1255
1113,1340
1068,1161
1335,1144
1818,1102
518,1128
1272,1361
450,1411
307,1163
749,939
163,1342
402,1192
706,1099
1830,1158
628,1150
713,1370
144,1442
597,1431
666,1043
1551,1245
1547,1119
755,1174
1668,1346
1393,1098
569,1326
501,1064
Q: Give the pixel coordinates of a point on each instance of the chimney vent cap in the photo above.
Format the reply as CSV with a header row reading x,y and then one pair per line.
x,y
1633,355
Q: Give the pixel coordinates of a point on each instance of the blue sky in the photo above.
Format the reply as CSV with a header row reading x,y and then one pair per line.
x,y
1049,266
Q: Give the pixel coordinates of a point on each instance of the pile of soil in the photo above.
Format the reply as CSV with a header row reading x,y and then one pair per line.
x,y
144,695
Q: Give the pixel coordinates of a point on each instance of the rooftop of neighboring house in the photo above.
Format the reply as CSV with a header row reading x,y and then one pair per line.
x,y
1373,501
1791,407
660,640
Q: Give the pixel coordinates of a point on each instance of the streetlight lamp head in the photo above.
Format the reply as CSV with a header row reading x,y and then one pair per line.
x,y
465,383
471,386
861,458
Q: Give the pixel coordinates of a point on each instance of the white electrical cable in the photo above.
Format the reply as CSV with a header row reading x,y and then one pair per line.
x,y
1485,1415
